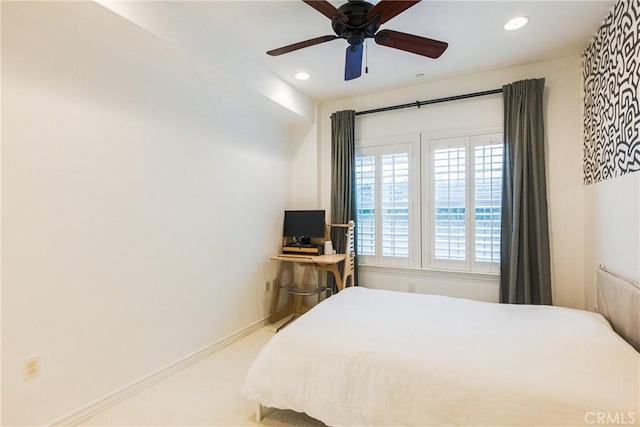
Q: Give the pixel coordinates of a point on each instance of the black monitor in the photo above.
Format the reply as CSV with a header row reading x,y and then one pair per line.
x,y
303,225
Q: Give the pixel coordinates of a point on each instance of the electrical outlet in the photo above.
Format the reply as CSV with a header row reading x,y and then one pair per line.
x,y
411,286
31,367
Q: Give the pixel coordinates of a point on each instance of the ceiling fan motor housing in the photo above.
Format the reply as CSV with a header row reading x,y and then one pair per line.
x,y
357,28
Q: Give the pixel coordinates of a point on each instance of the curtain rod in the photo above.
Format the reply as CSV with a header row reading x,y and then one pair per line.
x,y
431,101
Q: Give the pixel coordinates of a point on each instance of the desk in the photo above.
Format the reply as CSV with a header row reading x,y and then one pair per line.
x,y
320,262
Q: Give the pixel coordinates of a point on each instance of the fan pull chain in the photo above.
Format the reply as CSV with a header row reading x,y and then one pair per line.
x,y
366,56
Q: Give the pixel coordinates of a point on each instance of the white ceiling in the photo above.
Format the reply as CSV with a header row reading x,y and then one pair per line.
x,y
473,30
232,37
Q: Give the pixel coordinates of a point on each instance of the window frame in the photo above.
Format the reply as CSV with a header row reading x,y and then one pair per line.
x,y
421,216
428,257
478,266
379,147
470,139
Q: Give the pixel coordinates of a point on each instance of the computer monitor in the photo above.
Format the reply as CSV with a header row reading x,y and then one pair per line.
x,y
304,224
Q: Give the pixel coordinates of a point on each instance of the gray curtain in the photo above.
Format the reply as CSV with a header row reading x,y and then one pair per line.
x,y
343,182
525,274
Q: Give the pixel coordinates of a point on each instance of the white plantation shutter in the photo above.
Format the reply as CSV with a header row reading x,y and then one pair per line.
x,y
466,197
395,203
434,203
366,202
449,203
388,230
488,201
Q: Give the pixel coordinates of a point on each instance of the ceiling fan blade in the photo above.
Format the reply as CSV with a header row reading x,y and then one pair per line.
x,y
353,62
327,9
411,43
300,45
387,9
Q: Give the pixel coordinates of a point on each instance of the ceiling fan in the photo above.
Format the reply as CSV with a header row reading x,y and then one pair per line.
x,y
358,20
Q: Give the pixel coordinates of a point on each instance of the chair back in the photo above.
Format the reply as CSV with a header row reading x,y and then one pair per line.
x,y
349,250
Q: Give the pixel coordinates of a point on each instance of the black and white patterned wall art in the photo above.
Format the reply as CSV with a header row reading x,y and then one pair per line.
x,y
612,96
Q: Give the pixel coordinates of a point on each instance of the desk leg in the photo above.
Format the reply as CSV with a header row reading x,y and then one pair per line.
x,y
333,268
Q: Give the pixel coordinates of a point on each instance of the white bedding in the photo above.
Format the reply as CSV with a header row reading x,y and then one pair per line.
x,y
381,358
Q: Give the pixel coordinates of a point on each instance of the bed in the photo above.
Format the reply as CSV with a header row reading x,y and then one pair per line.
x,y
369,357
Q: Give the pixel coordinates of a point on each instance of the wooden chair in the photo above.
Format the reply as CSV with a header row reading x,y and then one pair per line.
x,y
348,268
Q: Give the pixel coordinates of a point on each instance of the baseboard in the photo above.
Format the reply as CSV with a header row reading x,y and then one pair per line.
x,y
97,406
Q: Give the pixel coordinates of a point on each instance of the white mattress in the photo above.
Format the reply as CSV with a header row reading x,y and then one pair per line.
x,y
381,358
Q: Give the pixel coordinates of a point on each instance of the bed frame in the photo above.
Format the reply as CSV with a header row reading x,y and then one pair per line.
x,y
619,302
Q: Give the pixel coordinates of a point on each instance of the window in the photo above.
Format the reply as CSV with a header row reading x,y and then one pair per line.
x,y
488,202
366,203
430,204
466,202
394,203
449,204
385,179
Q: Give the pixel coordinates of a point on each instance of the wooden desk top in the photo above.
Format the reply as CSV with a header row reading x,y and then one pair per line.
x,y
311,259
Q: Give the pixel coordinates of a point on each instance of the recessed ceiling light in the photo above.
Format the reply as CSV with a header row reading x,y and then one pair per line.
x,y
516,23
302,75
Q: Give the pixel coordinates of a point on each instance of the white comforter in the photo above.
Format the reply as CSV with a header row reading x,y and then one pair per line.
x,y
371,357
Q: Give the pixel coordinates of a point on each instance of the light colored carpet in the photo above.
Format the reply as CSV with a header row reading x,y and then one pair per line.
x,y
206,393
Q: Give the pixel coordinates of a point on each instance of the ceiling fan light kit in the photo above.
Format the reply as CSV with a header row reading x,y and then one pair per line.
x,y
358,20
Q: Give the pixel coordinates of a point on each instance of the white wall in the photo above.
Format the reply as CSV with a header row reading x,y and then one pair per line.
x,y
564,151
305,185
139,204
612,230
